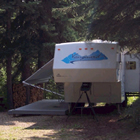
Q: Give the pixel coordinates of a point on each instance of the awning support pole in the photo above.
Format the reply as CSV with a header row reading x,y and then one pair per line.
x,y
42,88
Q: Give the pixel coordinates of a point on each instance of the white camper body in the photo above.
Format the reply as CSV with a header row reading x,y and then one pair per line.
x,y
86,62
100,63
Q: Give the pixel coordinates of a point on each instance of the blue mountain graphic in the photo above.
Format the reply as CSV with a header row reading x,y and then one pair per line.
x,y
92,57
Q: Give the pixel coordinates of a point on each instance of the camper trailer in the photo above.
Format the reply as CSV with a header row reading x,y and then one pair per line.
x,y
111,72
97,63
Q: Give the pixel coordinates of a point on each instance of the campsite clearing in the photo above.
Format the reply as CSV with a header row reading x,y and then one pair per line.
x,y
75,128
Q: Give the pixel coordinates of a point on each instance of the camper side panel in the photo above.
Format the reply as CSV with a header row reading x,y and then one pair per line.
x,y
132,74
100,92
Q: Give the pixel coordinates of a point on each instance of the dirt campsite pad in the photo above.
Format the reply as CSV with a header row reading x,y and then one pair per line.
x,y
75,128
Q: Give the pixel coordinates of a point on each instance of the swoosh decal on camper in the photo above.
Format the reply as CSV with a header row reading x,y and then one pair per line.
x,y
92,57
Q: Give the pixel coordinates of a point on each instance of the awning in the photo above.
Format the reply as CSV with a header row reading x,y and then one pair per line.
x,y
42,75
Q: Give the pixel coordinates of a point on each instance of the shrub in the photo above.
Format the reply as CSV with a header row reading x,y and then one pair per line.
x,y
134,111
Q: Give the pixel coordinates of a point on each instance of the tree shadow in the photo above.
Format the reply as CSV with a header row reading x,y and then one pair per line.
x,y
10,119
37,138
75,127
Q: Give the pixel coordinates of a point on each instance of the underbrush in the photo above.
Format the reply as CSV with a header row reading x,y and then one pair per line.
x,y
133,111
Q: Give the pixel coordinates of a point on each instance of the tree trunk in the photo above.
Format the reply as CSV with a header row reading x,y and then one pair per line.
x,y
9,62
25,74
41,61
26,69
9,82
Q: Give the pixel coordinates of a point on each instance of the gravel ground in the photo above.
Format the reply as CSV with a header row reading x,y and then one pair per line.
x,y
57,128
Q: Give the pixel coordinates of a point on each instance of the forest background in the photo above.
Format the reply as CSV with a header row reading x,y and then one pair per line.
x,y
29,30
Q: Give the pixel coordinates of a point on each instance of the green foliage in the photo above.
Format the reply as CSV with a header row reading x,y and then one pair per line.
x,y
131,100
52,86
30,29
116,21
35,23
3,76
3,82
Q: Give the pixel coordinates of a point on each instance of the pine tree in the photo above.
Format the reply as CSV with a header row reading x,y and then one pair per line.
x,y
6,12
116,21
29,30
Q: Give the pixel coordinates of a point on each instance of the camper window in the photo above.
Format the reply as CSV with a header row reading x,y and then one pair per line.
x,y
130,65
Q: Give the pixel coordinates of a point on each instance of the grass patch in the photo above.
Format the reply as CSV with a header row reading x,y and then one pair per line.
x,y
16,128
131,100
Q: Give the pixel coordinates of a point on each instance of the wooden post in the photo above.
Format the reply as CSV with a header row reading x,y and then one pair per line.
x,y
27,95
